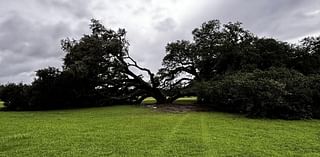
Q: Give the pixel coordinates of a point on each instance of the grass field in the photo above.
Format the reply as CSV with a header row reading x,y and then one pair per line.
x,y
183,100
1,104
134,131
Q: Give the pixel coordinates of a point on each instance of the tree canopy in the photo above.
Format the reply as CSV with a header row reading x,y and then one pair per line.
x,y
103,59
98,70
218,49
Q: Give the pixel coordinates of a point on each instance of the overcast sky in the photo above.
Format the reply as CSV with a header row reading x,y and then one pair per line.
x,y
31,30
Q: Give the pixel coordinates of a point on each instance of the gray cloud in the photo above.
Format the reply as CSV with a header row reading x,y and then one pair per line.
x,y
78,9
283,19
165,25
24,47
30,31
30,40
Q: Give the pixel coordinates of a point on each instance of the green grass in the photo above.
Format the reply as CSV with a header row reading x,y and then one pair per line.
x,y
1,104
183,100
149,100
134,131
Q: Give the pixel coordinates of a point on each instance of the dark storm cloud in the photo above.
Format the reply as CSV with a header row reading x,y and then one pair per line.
x,y
24,48
77,8
30,36
283,19
30,31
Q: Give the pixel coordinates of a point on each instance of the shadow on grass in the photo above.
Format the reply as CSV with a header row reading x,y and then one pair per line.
x,y
5,109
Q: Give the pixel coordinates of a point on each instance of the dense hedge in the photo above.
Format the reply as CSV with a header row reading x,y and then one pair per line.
x,y
15,96
276,93
55,89
52,89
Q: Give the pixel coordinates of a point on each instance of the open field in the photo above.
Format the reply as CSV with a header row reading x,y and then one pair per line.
x,y
134,131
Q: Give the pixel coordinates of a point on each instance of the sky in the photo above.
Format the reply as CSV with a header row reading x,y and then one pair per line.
x,y
31,30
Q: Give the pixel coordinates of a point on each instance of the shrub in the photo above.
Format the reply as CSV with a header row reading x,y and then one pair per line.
x,y
314,86
276,93
52,89
15,96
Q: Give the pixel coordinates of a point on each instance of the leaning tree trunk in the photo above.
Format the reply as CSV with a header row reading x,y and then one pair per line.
x,y
164,99
159,96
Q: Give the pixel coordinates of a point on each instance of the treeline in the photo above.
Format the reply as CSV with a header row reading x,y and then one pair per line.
x,y
274,93
52,89
228,67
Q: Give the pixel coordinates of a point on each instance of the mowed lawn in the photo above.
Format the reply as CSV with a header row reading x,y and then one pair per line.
x,y
136,131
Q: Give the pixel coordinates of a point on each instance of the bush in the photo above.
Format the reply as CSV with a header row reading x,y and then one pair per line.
x,y
53,89
46,92
15,96
314,86
276,93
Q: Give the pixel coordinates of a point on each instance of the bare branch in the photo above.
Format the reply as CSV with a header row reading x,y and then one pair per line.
x,y
181,80
130,73
151,75
171,75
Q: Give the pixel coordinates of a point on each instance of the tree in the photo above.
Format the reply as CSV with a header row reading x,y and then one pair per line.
x,y
51,90
216,49
15,96
98,69
103,61
274,93
44,88
271,53
306,57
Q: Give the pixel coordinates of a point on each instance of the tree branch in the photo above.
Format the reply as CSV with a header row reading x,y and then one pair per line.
x,y
179,81
130,73
151,75
171,75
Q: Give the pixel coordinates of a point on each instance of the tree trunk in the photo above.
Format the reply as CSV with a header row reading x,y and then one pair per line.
x,y
163,99
159,96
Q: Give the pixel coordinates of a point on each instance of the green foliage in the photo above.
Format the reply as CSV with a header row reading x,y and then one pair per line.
x,y
307,56
215,49
233,70
267,53
95,64
15,96
97,70
218,49
133,131
314,87
276,93
45,91
53,89
1,104
102,64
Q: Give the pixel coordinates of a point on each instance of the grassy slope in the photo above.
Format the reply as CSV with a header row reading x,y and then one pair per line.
x,y
132,131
